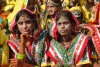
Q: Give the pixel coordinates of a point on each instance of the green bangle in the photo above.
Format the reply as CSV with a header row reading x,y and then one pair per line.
x,y
21,56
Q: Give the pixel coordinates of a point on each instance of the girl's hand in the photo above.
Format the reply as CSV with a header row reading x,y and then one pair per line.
x,y
96,64
22,44
85,29
25,37
16,63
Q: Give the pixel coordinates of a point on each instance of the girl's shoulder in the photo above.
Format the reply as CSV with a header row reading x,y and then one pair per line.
x,y
13,40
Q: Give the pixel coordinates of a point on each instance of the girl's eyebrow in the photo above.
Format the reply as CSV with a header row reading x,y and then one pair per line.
x,y
25,20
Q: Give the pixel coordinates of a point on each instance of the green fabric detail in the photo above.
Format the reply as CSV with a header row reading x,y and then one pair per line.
x,y
41,47
72,47
42,35
66,54
39,52
61,50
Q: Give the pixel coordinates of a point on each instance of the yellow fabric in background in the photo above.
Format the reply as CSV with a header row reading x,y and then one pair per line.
x,y
10,5
83,2
18,6
2,37
67,2
75,8
5,53
5,49
43,6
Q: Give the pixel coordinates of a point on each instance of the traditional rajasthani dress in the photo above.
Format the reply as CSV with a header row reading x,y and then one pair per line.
x,y
77,53
34,50
95,28
94,43
95,50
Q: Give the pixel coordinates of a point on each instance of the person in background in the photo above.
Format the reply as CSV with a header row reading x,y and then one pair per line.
x,y
47,18
93,29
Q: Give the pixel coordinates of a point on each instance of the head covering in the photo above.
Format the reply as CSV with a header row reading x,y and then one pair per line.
x,y
31,16
97,20
70,15
97,15
55,2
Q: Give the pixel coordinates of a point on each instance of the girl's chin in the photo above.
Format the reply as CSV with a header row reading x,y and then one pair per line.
x,y
51,13
64,34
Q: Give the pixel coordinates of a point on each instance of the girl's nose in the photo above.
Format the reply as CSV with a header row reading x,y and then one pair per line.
x,y
62,26
24,25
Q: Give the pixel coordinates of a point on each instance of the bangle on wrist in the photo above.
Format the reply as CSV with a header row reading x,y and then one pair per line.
x,y
21,56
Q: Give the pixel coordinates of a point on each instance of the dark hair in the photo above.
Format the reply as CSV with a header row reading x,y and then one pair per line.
x,y
29,14
65,14
58,2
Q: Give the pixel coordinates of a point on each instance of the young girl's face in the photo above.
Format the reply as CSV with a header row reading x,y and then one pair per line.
x,y
25,25
64,26
51,8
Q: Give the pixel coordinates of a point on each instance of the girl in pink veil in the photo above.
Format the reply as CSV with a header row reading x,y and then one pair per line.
x,y
25,31
67,48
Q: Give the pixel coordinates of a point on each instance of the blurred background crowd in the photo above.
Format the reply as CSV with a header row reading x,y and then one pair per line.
x,y
47,13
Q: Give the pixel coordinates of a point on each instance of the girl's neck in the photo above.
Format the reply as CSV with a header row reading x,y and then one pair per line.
x,y
67,38
66,41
